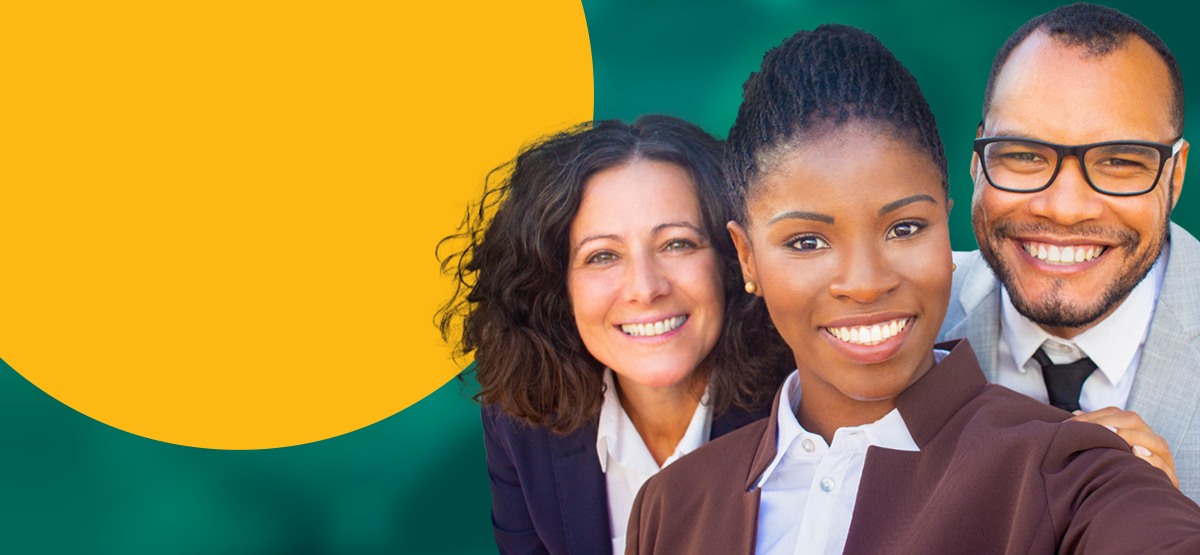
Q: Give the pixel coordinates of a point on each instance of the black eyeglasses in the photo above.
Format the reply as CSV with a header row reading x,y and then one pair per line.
x,y
1118,168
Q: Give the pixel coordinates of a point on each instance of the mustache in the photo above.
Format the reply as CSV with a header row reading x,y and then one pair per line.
x,y
1085,230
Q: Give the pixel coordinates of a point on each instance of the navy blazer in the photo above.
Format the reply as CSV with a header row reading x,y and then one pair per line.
x,y
548,492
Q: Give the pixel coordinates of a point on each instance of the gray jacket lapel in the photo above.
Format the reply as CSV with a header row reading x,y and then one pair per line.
x,y
974,311
1166,388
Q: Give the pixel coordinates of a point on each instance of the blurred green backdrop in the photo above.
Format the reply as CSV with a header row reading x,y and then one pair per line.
x,y
416,482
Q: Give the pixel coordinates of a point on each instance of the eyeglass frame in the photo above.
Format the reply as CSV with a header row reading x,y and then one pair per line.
x,y
1062,151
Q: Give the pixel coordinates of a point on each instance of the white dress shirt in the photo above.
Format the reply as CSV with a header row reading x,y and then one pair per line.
x,y
808,490
627,462
1114,344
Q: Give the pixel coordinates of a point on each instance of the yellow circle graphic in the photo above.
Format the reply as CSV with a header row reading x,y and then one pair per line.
x,y
218,219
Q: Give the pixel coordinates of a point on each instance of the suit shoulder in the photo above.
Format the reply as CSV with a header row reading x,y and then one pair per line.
x,y
999,416
1003,406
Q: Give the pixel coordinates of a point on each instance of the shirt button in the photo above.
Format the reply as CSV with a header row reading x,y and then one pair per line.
x,y
808,445
827,484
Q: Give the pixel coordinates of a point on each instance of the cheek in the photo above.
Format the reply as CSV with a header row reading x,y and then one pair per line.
x,y
792,290
590,297
700,279
1145,217
929,269
990,203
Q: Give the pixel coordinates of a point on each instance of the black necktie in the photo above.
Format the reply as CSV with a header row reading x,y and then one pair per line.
x,y
1064,381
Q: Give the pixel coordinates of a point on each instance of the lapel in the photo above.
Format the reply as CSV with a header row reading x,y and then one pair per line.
x,y
582,492
1165,388
738,530
979,298
896,485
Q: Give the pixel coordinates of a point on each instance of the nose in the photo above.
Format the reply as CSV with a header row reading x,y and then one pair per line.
x,y
1069,199
865,276
645,279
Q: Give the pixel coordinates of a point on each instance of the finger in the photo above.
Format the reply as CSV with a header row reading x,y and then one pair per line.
x,y
1106,412
1157,462
1149,441
1115,418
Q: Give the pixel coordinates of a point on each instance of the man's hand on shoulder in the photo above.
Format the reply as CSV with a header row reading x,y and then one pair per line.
x,y
1146,444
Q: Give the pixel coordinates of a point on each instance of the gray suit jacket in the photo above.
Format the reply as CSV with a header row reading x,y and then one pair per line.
x,y
1166,388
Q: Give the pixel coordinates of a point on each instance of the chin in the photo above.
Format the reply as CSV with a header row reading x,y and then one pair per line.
x,y
648,375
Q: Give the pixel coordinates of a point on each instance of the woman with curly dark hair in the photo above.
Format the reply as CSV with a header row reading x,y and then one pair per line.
x,y
594,293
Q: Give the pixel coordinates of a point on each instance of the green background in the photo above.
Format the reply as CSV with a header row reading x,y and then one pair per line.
x,y
416,482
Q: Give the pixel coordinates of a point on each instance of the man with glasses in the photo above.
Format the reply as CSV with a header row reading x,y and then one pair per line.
x,y
1079,160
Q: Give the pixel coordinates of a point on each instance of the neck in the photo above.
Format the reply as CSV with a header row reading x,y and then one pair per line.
x,y
661,415
824,416
824,408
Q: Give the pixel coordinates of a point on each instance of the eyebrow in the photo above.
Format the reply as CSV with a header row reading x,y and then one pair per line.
x,y
801,215
904,202
1013,134
575,250
658,228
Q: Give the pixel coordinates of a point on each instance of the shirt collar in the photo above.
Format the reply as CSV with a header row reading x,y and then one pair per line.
x,y
889,432
615,433
1109,343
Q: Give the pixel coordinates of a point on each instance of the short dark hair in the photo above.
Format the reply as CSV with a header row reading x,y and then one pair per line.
x,y
1099,30
829,76
511,302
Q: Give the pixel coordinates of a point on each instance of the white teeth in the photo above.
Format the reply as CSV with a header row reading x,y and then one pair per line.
x,y
872,335
1061,256
651,330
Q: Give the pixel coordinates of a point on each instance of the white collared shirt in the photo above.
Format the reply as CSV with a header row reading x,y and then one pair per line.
x,y
809,489
627,462
1114,344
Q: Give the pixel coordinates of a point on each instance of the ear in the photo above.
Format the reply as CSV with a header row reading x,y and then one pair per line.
x,y
1177,176
974,155
741,241
949,205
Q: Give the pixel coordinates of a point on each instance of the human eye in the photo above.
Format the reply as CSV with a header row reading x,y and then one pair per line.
x,y
1021,156
1018,156
679,245
905,229
808,243
600,258
1122,163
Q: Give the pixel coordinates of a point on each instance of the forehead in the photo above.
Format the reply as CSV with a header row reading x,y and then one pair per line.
x,y
1062,94
642,192
855,168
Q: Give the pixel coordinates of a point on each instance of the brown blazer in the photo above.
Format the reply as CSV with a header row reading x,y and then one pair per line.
x,y
998,472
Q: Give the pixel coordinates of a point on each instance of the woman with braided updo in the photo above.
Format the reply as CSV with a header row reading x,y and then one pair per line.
x,y
880,441
594,294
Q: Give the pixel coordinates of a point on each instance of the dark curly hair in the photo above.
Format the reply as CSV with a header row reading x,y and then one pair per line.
x,y
1099,31
511,308
819,80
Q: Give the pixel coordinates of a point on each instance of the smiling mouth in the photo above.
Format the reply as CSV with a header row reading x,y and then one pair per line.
x,y
1063,256
870,335
654,328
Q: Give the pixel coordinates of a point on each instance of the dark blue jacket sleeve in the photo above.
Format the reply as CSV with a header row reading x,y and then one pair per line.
x,y
511,521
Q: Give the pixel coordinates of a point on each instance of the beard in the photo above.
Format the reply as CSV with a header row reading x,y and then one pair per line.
x,y
1053,309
